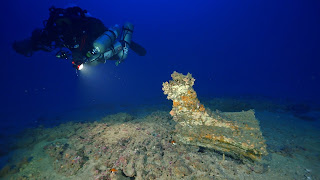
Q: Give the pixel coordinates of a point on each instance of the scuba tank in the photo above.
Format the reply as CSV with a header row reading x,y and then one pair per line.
x,y
106,40
106,47
125,40
113,51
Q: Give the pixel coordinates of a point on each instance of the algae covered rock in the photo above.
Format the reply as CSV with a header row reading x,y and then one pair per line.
x,y
237,133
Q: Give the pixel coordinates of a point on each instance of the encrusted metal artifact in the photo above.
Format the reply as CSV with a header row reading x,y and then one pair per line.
x,y
235,133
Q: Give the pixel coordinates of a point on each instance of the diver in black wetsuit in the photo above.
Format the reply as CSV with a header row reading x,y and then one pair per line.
x,y
80,38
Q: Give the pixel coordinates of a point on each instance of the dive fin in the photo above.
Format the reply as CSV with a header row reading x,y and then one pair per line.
x,y
137,48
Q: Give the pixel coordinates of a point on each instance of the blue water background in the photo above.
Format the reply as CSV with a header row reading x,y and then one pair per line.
x,y
232,48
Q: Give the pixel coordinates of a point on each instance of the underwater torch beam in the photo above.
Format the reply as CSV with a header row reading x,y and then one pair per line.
x,y
235,133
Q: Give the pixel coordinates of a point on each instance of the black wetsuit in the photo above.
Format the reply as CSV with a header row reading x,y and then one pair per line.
x,y
66,28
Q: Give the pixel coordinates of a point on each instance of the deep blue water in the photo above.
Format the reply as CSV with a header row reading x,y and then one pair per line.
x,y
232,48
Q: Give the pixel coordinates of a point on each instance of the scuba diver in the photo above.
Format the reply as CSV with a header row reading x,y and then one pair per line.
x,y
78,37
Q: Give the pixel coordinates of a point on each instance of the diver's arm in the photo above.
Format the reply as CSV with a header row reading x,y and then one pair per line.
x,y
23,47
42,40
39,40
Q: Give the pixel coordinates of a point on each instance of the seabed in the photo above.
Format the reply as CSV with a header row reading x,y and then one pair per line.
x,y
260,139
124,146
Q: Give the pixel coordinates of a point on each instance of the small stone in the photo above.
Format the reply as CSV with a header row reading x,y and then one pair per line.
x,y
129,169
103,168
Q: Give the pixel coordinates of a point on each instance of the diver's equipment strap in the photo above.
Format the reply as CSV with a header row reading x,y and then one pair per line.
x,y
127,29
113,33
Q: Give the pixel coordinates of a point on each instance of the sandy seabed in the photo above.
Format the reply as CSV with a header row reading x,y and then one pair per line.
x,y
122,146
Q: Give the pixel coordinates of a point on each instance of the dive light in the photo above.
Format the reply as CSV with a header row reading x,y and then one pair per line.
x,y
80,67
77,66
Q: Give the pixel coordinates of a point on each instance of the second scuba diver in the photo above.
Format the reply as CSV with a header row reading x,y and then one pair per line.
x,y
77,36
